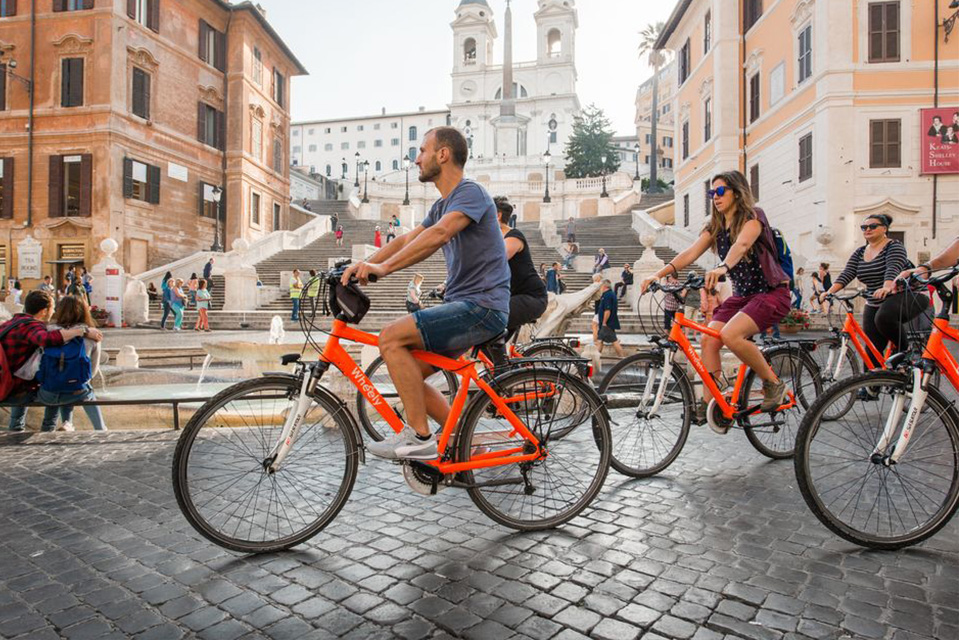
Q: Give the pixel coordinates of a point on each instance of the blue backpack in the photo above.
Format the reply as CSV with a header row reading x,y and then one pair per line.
x,y
784,254
65,368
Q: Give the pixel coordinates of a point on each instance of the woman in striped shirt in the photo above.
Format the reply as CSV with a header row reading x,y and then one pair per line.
x,y
876,265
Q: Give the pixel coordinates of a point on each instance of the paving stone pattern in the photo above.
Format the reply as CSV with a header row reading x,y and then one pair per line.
x,y
92,545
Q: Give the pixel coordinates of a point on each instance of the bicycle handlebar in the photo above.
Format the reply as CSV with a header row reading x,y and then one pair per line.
x,y
693,282
948,274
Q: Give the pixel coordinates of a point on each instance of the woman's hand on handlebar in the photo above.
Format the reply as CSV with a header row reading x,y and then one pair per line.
x,y
644,285
922,271
364,272
712,277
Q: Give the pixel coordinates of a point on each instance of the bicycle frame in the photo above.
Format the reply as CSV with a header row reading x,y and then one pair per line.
x,y
336,355
677,336
852,331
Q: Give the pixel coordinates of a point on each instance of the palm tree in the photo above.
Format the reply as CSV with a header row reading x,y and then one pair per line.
x,y
655,57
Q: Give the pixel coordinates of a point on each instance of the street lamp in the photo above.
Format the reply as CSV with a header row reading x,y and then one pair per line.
x,y
366,176
217,194
636,158
13,65
356,182
949,23
406,168
604,194
546,159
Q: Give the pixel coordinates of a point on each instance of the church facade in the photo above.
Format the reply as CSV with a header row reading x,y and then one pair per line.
x,y
522,118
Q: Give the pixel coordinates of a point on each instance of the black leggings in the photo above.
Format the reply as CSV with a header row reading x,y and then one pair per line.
x,y
887,322
524,309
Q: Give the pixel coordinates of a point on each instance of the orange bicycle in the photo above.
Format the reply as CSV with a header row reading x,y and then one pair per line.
x,y
651,400
268,463
885,474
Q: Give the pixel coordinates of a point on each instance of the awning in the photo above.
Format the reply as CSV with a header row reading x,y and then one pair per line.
x,y
65,261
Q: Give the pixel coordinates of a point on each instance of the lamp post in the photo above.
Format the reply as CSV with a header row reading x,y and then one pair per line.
x,y
366,177
406,168
636,158
217,194
356,182
604,194
546,159
25,81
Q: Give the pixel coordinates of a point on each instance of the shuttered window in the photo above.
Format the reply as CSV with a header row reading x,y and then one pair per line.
x,y
141,181
752,11
885,144
70,185
805,54
71,82
141,93
707,32
208,204
685,139
754,98
3,87
708,120
257,66
684,62
254,208
279,87
8,8
6,188
72,5
212,46
211,126
883,32
686,210
754,181
146,12
805,157
278,155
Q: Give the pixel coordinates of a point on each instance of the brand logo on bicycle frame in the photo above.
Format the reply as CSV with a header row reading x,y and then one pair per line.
x,y
366,387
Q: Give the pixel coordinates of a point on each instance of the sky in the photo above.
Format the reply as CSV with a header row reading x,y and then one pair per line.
x,y
364,55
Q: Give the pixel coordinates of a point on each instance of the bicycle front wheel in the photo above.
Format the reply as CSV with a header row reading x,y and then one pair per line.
x,y
774,434
645,443
219,467
567,417
865,501
826,356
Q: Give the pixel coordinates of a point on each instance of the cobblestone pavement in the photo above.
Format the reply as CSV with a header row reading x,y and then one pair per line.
x,y
720,545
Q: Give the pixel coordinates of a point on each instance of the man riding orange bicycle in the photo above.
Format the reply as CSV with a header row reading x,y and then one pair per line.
x,y
476,305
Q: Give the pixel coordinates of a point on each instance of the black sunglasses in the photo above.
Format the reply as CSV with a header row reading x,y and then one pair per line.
x,y
870,227
718,191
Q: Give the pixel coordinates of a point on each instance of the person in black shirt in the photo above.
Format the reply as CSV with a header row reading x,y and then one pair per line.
x,y
527,300
627,281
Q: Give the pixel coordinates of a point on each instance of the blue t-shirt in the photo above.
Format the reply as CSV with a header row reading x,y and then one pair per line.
x,y
476,256
609,303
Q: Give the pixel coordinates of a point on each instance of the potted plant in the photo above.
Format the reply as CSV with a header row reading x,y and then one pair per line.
x,y
795,321
100,315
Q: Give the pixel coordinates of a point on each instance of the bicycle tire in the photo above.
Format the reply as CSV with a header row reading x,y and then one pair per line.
x,y
817,438
230,418
852,367
634,436
373,423
588,441
552,348
799,370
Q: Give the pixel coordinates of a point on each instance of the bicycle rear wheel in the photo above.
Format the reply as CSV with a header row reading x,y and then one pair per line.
x,y
566,415
774,434
373,423
219,475
644,445
869,503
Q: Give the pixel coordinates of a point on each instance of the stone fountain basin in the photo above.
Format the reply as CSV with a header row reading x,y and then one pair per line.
x,y
256,357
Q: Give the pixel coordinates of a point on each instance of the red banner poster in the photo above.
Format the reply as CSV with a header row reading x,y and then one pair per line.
x,y
939,146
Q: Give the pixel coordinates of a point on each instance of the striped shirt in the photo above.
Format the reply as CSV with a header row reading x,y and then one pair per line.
x,y
886,266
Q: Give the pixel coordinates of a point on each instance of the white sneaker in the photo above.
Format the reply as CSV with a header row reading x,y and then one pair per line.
x,y
66,426
406,445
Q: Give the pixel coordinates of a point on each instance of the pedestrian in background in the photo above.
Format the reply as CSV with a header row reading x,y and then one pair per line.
x,y
339,236
377,238
179,301
601,261
296,288
312,291
208,275
166,298
193,285
202,307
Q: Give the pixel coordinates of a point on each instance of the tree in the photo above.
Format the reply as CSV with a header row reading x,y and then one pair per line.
x,y
647,43
590,140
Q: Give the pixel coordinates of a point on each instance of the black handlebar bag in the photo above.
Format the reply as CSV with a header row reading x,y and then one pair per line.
x,y
350,301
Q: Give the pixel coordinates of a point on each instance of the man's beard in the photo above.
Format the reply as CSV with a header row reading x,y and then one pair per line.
x,y
429,172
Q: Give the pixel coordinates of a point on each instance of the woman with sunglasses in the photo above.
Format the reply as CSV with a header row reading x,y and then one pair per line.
x,y
740,234
876,265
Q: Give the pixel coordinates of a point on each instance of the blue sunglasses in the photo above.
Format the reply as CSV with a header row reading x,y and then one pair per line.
x,y
718,191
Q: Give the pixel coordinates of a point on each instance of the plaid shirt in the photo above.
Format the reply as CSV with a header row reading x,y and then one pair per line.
x,y
20,343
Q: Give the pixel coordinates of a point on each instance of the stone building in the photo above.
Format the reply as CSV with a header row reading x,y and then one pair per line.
x,y
140,110
818,103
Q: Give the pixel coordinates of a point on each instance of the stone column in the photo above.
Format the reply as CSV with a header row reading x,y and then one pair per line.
x,y
408,216
240,281
647,265
606,207
109,283
365,211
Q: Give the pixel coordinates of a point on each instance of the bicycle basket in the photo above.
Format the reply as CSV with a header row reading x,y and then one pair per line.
x,y
349,300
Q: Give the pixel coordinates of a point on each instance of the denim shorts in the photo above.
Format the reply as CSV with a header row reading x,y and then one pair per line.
x,y
452,328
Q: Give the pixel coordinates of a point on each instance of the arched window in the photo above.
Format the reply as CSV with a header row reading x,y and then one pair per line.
x,y
469,51
554,43
412,154
396,165
413,137
378,166
519,91
329,171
